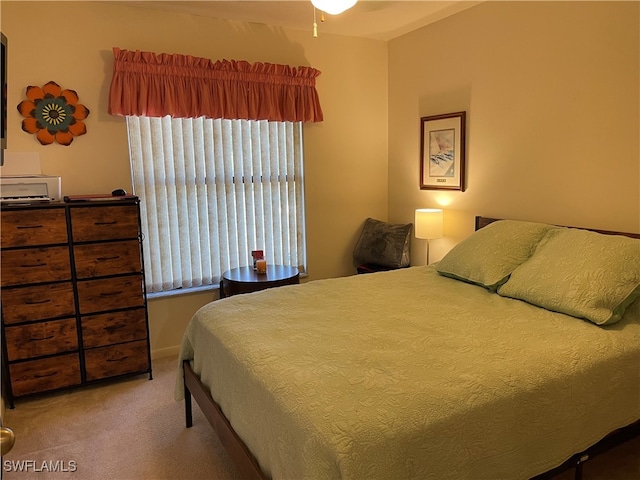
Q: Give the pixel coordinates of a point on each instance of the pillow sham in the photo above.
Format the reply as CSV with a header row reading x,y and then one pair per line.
x,y
384,244
580,273
489,255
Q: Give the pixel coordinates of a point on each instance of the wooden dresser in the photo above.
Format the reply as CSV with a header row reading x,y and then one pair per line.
x,y
74,305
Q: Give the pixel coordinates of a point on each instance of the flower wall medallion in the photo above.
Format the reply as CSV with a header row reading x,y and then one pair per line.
x,y
53,114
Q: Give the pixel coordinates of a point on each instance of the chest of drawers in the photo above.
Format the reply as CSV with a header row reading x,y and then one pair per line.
x,y
73,297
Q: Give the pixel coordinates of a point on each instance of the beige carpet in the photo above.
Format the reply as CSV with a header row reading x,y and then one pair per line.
x,y
134,430
131,429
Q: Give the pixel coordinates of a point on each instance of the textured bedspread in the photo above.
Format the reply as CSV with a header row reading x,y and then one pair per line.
x,y
408,374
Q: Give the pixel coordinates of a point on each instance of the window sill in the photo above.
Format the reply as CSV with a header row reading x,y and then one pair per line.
x,y
183,291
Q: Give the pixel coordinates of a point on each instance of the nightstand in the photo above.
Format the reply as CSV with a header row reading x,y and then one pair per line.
x,y
246,279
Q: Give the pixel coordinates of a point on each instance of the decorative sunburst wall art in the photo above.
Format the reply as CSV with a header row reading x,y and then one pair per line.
x,y
53,114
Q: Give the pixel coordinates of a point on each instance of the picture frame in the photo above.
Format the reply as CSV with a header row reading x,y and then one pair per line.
x,y
442,152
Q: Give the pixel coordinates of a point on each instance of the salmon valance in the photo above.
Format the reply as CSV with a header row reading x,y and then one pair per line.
x,y
157,85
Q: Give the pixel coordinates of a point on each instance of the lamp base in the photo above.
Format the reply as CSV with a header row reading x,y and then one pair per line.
x,y
427,252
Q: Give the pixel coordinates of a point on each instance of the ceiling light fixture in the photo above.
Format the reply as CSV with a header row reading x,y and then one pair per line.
x,y
333,7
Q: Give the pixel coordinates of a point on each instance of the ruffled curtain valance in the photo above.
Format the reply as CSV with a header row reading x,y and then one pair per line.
x,y
156,85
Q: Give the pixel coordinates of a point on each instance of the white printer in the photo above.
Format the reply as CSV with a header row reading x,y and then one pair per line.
x,y
29,188
22,181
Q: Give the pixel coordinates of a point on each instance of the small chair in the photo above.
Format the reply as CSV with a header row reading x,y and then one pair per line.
x,y
382,246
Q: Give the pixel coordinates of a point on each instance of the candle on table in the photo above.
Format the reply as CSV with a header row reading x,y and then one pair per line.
x,y
261,265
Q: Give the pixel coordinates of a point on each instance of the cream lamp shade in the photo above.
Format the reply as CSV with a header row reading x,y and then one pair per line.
x,y
428,223
333,7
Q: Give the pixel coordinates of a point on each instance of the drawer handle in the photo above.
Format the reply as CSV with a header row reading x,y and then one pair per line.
x,y
117,359
29,226
25,265
110,294
36,339
113,222
104,259
38,302
44,375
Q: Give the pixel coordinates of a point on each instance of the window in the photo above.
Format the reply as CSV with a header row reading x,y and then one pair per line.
x,y
212,190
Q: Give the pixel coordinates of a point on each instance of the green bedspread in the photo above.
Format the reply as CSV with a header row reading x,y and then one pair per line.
x,y
408,374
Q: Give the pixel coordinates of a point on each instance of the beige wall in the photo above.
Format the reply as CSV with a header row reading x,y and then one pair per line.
x,y
345,156
551,91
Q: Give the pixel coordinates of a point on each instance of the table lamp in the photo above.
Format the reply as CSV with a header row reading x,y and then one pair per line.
x,y
428,225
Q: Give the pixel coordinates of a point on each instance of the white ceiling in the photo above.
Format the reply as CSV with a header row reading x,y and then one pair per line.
x,y
378,19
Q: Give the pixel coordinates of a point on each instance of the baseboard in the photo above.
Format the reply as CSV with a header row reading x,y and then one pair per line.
x,y
165,352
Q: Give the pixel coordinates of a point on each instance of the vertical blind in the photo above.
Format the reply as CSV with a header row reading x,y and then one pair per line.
x,y
211,191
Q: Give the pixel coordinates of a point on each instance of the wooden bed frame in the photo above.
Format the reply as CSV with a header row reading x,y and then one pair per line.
x,y
484,221
238,452
249,468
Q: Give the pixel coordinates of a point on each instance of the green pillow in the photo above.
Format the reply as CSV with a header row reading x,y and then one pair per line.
x,y
580,273
489,255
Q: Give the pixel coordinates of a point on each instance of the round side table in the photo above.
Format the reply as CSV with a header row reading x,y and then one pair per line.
x,y
246,279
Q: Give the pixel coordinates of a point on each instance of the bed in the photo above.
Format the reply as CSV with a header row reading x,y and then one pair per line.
x,y
516,356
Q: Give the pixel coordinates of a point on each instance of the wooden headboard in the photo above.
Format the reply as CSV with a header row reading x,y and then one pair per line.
x,y
484,221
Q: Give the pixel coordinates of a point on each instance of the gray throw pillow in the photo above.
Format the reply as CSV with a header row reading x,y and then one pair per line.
x,y
383,243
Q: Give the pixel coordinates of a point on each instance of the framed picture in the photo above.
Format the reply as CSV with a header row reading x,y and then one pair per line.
x,y
442,153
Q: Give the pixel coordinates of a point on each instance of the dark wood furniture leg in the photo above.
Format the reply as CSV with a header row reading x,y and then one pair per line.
x,y
188,411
